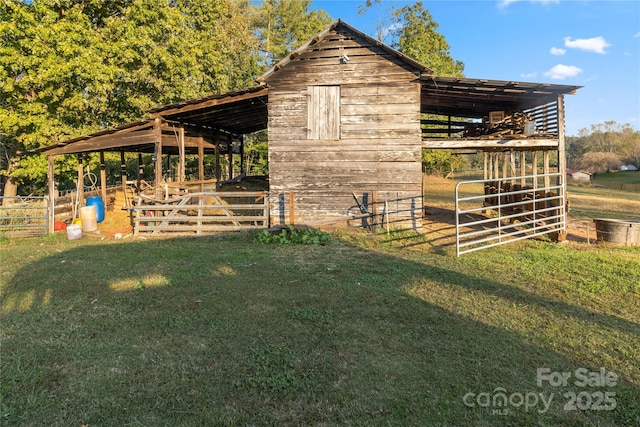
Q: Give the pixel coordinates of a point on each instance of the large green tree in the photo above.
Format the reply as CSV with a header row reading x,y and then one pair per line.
x,y
69,67
416,35
284,25
413,31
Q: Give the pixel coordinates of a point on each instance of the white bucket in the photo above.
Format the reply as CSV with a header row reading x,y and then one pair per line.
x,y
89,219
74,232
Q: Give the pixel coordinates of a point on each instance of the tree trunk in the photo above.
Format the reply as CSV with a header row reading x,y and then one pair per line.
x,y
10,189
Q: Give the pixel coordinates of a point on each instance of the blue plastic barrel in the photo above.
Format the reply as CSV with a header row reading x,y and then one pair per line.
x,y
99,204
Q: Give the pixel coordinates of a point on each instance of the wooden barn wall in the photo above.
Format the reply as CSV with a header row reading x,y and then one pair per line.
x,y
380,143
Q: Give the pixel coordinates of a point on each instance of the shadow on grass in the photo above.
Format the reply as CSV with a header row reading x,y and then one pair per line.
x,y
223,331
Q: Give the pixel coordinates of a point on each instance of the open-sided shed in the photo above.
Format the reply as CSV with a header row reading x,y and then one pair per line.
x,y
348,116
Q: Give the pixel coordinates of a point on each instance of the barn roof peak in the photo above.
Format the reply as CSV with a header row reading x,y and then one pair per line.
x,y
341,25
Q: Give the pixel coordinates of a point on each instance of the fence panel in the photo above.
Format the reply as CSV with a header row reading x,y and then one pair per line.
x,y
24,216
202,213
523,209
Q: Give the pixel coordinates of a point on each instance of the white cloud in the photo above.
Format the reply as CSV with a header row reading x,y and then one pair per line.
x,y
558,51
594,44
529,75
561,71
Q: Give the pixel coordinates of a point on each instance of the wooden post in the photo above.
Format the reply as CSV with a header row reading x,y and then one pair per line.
x,y
103,179
242,154
157,127
218,171
140,172
230,156
523,168
505,164
374,208
201,161
545,170
181,154
496,165
562,160
292,212
52,195
123,173
485,165
80,182
534,168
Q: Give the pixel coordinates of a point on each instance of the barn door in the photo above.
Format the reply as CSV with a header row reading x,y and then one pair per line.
x,y
323,112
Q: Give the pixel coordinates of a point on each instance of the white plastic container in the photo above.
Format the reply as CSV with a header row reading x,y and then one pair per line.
x,y
74,232
89,219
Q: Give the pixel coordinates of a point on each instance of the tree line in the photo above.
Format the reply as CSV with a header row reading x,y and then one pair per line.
x,y
604,147
72,67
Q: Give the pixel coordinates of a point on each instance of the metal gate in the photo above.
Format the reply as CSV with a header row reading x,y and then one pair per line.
x,y
512,209
24,216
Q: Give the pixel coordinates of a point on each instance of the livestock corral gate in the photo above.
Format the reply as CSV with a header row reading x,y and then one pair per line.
x,y
519,208
202,212
24,216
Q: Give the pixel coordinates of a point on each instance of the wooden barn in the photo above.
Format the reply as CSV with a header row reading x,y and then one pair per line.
x,y
347,119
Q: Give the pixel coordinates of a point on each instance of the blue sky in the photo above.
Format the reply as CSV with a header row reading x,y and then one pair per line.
x,y
595,44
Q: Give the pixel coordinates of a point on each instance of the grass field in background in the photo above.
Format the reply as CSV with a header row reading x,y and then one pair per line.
x,y
367,330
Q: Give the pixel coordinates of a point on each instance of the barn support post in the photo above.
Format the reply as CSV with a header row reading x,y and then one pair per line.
x,y
52,194
545,168
80,186
242,154
181,154
505,164
562,162
534,168
103,179
230,156
292,211
158,158
485,165
218,171
523,167
123,174
140,171
201,161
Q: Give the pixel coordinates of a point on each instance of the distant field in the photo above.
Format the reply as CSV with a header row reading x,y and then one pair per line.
x,y
593,202
620,180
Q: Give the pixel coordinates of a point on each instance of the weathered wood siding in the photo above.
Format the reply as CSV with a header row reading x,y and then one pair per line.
x,y
379,144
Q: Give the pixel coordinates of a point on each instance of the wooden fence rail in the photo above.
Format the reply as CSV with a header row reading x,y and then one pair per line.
x,y
202,213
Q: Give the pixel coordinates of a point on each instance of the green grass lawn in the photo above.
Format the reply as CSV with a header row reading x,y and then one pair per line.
x,y
367,330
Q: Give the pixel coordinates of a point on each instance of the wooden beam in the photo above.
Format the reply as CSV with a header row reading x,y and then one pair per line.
x,y
80,183
523,168
201,160
181,158
103,179
545,170
123,173
292,211
218,170
211,103
52,195
562,156
158,151
470,144
534,168
230,157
